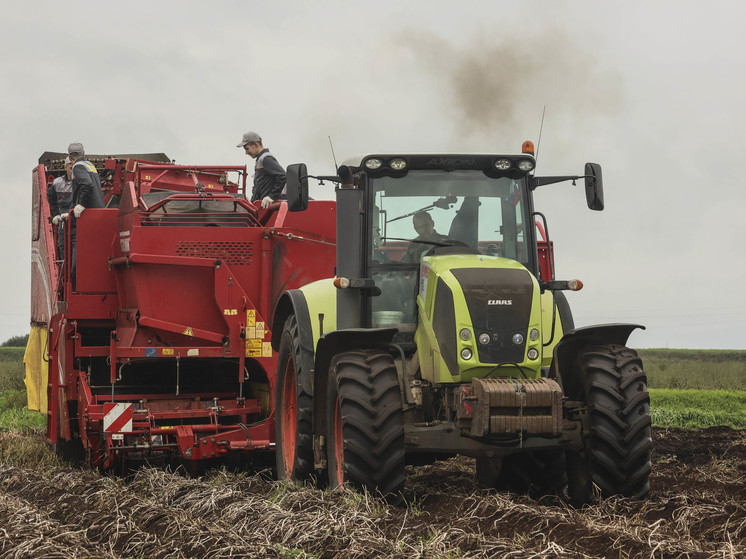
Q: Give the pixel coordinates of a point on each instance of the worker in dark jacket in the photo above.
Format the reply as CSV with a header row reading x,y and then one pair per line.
x,y
86,190
86,186
269,175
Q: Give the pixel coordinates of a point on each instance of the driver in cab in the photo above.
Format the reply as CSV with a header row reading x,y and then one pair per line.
x,y
427,238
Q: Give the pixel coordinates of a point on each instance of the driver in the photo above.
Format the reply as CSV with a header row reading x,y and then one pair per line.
x,y
427,237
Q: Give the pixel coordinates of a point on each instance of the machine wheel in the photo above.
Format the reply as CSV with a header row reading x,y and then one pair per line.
x,y
70,451
365,429
294,408
536,474
617,455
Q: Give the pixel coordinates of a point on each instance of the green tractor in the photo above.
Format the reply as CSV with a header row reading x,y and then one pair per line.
x,y
445,333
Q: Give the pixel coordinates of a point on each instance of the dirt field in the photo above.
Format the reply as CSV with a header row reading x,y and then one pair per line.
x,y
697,509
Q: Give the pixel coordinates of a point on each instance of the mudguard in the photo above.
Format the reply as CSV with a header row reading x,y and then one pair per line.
x,y
566,351
336,342
294,302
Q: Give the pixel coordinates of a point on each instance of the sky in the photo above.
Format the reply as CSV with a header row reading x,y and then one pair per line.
x,y
654,91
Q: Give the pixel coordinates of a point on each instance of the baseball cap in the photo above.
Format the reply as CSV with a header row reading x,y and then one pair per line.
x,y
249,137
75,148
67,160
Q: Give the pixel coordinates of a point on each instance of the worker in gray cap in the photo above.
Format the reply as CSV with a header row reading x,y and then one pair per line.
x,y
86,193
269,175
86,186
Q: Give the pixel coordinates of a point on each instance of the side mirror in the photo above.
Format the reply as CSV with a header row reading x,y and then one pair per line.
x,y
594,186
297,187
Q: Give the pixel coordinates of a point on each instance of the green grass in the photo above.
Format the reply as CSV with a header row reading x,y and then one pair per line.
x,y
697,409
695,369
13,411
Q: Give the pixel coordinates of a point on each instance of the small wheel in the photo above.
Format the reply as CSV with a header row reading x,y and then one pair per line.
x,y
617,458
71,451
365,429
536,473
293,408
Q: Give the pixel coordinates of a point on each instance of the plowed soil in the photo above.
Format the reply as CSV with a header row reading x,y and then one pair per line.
x,y
697,508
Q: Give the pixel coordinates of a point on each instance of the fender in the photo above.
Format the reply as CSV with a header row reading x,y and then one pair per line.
x,y
336,342
294,302
566,351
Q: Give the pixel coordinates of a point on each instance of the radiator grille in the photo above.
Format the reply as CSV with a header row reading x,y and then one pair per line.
x,y
232,253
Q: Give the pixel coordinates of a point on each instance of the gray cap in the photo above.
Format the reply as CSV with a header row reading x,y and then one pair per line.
x,y
76,148
248,138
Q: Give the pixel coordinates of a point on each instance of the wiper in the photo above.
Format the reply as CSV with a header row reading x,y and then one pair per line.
x,y
442,203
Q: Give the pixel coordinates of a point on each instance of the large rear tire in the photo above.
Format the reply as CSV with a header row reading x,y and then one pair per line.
x,y
365,429
617,457
293,408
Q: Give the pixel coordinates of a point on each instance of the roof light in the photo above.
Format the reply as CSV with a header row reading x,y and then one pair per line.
x,y
528,147
575,285
341,283
526,165
503,164
373,163
398,164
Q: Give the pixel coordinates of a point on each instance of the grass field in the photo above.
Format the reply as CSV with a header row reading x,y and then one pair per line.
x,y
688,388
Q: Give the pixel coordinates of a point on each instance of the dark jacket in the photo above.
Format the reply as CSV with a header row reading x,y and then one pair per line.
x,y
269,177
60,196
86,185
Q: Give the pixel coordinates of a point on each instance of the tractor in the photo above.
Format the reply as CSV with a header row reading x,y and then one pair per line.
x,y
444,332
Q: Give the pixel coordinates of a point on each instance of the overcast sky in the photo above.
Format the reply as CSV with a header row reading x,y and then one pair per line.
x,y
654,91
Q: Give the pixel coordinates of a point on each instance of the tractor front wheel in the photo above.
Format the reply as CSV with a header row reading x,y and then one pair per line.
x,y
365,429
617,457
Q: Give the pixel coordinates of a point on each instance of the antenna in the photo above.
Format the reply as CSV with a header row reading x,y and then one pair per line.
x,y
541,129
334,157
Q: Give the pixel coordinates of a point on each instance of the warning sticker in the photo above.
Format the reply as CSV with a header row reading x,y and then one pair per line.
x,y
188,331
251,317
118,417
259,330
266,349
167,351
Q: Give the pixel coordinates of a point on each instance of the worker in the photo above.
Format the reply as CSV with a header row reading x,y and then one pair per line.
x,y
86,184
427,237
86,193
269,175
60,198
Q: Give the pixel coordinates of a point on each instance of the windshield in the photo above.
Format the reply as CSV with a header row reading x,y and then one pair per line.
x,y
432,208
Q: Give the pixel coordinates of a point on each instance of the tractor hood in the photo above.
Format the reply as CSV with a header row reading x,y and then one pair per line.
x,y
478,316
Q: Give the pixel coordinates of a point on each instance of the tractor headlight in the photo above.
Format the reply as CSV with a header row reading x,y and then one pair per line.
x,y
373,163
484,338
526,165
503,164
533,353
518,339
398,164
466,354
534,335
465,334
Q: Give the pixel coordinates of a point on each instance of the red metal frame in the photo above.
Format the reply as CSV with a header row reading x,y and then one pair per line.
x,y
157,289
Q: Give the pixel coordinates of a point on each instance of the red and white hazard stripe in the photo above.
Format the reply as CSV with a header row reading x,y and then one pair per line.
x,y
118,417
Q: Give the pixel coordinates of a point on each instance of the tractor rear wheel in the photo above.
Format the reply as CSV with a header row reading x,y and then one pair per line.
x,y
365,429
617,457
294,408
